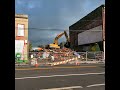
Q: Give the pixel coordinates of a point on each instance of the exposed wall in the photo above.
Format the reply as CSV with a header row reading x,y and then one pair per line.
x,y
92,20
90,36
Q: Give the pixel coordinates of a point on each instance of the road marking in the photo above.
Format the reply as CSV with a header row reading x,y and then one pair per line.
x,y
56,67
62,88
60,75
95,85
77,67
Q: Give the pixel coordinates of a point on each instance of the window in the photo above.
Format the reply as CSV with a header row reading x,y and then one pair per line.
x,y
20,31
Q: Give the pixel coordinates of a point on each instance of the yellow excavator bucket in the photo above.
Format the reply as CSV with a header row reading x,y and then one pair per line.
x,y
54,46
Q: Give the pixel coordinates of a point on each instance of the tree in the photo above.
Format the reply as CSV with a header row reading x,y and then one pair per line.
x,y
30,46
41,46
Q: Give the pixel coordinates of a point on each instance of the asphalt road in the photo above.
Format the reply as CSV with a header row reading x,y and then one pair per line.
x,y
85,77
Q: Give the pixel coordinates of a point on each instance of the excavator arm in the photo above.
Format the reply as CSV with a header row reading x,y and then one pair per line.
x,y
67,44
55,43
57,37
66,35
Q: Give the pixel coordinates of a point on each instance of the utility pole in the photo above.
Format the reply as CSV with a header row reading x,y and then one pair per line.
x,y
103,32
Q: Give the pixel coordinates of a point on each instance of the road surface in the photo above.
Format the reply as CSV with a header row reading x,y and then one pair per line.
x,y
85,77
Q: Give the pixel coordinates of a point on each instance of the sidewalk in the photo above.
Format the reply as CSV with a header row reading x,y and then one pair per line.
x,y
62,65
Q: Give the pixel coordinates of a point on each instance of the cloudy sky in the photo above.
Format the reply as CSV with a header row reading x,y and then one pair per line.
x,y
45,15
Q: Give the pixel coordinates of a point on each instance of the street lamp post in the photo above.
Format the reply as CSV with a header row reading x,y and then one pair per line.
x,y
103,17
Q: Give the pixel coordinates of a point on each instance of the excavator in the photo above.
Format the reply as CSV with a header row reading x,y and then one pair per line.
x,y
55,43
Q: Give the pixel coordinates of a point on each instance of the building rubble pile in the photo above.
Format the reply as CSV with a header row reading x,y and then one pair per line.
x,y
58,54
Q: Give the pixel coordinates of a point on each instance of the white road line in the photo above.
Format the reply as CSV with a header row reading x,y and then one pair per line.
x,y
95,85
59,75
62,88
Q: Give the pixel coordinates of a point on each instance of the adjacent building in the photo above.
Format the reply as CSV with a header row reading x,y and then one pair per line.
x,y
21,35
88,31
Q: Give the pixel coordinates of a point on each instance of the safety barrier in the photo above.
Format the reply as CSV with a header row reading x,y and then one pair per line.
x,y
63,62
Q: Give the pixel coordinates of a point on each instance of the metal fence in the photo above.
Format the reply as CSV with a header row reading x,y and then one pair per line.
x,y
92,57
65,58
56,58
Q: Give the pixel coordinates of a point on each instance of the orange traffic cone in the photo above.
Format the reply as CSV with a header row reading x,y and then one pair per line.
x,y
77,63
36,64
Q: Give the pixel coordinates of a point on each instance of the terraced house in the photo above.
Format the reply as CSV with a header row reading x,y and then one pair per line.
x,y
21,36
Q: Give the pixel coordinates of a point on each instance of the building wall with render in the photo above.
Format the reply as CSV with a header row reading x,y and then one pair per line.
x,y
21,19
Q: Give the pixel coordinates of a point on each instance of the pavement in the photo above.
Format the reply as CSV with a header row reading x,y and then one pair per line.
x,y
48,66
63,77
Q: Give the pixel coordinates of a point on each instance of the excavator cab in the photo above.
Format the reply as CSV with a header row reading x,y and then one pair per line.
x,y
67,44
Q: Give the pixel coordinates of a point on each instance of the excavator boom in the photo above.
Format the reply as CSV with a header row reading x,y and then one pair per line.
x,y
57,37
66,35
55,43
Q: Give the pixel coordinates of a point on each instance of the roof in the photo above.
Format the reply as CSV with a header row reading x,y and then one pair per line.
x,y
94,15
21,16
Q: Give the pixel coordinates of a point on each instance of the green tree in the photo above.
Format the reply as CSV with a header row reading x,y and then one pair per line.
x,y
41,46
30,46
